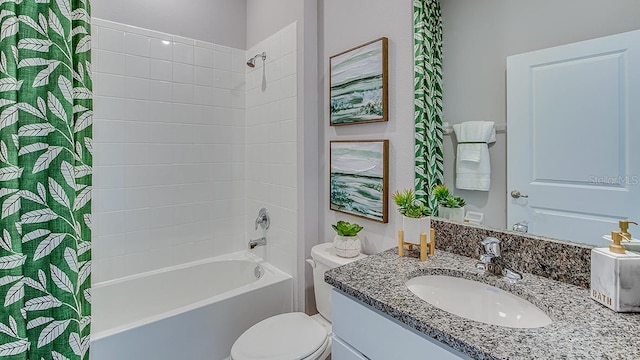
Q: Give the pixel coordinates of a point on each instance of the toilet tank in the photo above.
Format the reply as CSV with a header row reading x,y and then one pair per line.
x,y
325,258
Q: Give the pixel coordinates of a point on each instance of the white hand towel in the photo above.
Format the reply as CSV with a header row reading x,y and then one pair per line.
x,y
470,152
473,166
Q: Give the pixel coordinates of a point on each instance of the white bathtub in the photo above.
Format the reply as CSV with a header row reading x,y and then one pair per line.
x,y
191,311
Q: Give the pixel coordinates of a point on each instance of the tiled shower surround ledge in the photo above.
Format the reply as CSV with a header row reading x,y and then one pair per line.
x,y
581,328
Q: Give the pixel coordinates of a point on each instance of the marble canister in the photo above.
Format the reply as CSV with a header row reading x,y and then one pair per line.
x,y
615,280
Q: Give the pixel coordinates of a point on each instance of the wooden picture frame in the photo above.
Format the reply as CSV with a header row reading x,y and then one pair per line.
x,y
359,84
359,178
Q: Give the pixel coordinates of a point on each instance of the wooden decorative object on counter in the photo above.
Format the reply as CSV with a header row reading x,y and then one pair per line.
x,y
424,246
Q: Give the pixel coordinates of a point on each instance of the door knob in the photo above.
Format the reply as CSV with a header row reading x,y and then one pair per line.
x,y
516,195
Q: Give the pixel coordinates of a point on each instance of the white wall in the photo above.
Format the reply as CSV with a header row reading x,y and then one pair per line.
x,y
479,35
271,147
217,21
169,165
345,24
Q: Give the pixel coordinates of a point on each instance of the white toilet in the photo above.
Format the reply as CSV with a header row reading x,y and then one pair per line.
x,y
296,336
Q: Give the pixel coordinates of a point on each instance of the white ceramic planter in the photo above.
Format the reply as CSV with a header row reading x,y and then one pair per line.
x,y
413,227
455,214
347,246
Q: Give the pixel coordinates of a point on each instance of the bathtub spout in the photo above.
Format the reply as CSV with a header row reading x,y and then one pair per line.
x,y
257,242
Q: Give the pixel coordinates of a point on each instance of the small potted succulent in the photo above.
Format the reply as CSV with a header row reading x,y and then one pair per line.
x,y
415,215
347,243
449,206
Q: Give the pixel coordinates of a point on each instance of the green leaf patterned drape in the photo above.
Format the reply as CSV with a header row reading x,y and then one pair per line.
x,y
429,169
45,179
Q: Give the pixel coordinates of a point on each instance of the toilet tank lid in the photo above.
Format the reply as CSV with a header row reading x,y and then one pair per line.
x,y
326,254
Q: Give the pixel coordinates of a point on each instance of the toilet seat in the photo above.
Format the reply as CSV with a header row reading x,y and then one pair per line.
x,y
290,336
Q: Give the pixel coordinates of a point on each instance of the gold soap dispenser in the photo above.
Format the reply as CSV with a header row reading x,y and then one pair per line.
x,y
617,237
614,280
624,228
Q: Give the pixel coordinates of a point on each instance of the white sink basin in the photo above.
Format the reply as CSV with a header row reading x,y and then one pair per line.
x,y
477,301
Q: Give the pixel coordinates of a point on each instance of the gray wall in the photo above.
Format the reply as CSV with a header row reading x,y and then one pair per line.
x,y
308,148
265,17
218,21
344,25
479,35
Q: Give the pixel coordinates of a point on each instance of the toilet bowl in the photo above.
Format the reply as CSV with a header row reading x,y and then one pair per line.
x,y
296,335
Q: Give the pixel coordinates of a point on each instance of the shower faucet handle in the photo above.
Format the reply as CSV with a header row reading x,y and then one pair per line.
x,y
263,219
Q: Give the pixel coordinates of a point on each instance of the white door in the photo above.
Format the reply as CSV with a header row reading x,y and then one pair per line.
x,y
573,141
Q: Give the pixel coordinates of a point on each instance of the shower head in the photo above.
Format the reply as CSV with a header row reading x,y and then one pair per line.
x,y
252,62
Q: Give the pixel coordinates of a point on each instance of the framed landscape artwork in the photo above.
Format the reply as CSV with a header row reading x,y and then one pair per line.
x,y
359,178
358,84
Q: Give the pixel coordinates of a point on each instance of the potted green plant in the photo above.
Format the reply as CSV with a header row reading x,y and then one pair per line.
x,y
347,243
449,206
415,215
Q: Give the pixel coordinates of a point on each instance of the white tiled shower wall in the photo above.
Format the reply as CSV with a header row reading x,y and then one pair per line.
x,y
169,168
271,146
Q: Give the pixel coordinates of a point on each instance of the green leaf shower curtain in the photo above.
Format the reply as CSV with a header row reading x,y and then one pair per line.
x,y
427,29
45,179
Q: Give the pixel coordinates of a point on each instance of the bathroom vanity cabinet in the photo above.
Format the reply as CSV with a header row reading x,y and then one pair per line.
x,y
360,332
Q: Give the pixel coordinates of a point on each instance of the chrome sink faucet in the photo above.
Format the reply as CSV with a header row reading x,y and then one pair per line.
x,y
522,226
492,251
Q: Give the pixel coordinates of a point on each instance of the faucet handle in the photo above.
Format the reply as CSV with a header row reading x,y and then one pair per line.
x,y
491,246
263,219
485,259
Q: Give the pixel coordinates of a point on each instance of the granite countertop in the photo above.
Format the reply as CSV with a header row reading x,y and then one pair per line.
x,y
581,328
